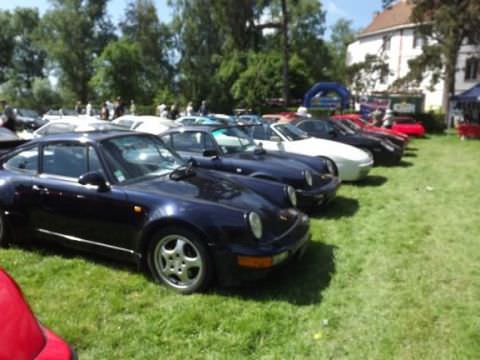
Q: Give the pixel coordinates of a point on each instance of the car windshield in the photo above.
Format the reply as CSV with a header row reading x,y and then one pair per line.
x,y
291,132
351,125
233,140
27,113
136,157
342,128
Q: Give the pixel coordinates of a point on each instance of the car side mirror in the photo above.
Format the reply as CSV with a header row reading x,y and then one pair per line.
x,y
210,153
94,178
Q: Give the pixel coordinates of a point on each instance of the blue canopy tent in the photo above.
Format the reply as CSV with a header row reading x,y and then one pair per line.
x,y
470,95
466,106
320,91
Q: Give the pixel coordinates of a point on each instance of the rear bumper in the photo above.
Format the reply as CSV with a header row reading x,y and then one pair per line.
x,y
290,246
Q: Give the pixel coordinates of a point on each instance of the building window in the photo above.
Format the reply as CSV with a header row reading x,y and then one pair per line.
x,y
387,42
384,75
419,39
471,69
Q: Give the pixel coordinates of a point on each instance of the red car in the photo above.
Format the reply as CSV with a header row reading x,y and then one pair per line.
x,y
468,130
357,119
408,126
21,335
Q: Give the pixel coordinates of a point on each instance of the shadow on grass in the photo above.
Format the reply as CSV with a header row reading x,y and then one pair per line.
x,y
411,148
339,208
300,282
409,154
371,180
404,164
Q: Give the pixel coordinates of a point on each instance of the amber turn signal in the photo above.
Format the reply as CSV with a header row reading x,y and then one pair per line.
x,y
257,262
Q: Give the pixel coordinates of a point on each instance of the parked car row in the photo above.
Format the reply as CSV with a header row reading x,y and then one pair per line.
x,y
196,201
189,202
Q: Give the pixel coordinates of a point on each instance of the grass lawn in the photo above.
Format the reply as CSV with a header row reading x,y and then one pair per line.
x,y
393,273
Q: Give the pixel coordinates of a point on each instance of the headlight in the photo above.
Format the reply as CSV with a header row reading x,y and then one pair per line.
x,y
255,224
388,146
330,167
308,177
292,196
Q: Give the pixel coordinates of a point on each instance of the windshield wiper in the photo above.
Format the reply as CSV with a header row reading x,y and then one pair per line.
x,y
183,171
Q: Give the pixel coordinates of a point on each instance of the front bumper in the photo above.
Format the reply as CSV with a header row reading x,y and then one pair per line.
x,y
385,157
320,195
290,245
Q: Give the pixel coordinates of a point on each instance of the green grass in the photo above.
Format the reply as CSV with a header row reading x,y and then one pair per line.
x,y
393,273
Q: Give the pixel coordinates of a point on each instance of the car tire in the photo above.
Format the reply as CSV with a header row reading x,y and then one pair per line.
x,y
179,259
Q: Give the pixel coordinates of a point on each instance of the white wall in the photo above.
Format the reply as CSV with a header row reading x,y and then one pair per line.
x,y
401,51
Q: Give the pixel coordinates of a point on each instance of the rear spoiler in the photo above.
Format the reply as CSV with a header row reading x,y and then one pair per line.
x,y
9,145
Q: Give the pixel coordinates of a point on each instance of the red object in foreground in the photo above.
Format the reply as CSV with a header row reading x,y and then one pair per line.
x,y
21,335
468,130
408,126
357,119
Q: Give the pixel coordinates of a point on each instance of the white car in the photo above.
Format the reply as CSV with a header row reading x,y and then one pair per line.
x,y
75,125
352,163
132,122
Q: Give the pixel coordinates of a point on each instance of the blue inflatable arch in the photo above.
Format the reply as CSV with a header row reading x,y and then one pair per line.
x,y
324,88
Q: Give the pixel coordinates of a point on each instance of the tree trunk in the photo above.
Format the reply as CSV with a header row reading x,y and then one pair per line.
x,y
286,53
449,87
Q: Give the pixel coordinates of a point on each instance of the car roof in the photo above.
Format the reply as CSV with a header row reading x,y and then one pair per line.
x,y
97,135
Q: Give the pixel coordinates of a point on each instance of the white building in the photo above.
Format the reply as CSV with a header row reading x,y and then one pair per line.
x,y
392,36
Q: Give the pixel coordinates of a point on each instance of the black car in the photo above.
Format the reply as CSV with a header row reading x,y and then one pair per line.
x,y
397,140
230,149
127,195
27,119
382,151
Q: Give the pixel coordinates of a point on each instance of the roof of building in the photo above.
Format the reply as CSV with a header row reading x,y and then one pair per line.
x,y
393,16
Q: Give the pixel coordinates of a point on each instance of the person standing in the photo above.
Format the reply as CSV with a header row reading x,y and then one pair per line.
x,y
104,111
203,108
189,110
8,118
119,108
132,107
78,107
173,111
88,109
388,119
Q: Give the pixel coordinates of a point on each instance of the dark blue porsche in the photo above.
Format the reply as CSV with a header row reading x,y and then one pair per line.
x,y
230,149
128,196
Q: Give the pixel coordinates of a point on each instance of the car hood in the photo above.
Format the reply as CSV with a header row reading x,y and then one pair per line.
x,y
206,186
332,149
269,162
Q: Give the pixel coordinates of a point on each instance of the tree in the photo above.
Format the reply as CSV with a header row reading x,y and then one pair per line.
x,y
119,71
449,23
74,33
142,26
363,76
342,36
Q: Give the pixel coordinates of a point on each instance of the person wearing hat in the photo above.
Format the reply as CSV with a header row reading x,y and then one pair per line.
x,y
303,111
388,119
8,117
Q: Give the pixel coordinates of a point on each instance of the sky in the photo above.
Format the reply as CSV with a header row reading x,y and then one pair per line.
x,y
359,11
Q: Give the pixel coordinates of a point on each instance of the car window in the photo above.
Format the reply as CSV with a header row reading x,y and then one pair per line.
x,y
261,132
310,126
94,163
57,128
25,160
65,159
188,141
